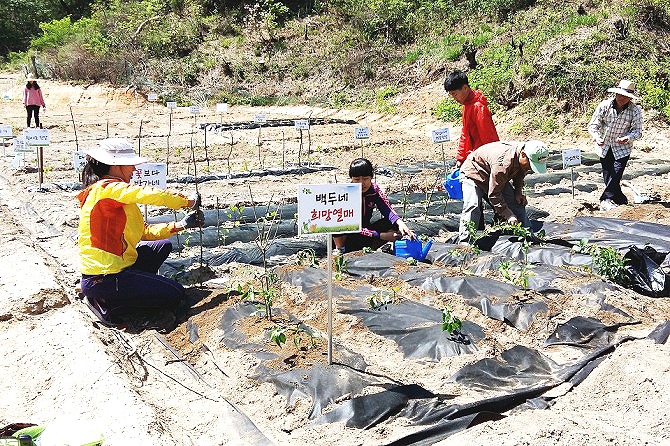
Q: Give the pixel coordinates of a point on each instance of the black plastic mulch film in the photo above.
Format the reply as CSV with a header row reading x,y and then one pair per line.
x,y
523,374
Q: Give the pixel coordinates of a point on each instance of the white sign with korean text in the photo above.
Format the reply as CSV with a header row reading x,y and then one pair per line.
x,y
171,105
150,174
36,137
194,109
222,107
572,157
20,146
260,119
6,131
440,135
301,124
78,161
362,132
152,97
329,208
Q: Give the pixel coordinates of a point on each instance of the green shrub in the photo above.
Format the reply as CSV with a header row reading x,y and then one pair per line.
x,y
339,99
546,124
498,9
382,97
448,110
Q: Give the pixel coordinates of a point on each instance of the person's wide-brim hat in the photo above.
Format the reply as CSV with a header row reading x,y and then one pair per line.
x,y
115,152
625,88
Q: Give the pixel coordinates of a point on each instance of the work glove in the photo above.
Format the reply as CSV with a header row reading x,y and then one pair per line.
x,y
196,199
195,219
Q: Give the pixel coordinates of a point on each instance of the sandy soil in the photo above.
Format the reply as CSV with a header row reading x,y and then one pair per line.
x,y
60,364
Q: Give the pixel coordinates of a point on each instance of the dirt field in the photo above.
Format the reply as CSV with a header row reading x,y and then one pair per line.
x,y
145,387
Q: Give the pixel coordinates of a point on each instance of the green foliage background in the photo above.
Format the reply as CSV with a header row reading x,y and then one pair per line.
x,y
535,56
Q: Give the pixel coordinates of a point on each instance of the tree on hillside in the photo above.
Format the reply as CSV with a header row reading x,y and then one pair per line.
x,y
20,19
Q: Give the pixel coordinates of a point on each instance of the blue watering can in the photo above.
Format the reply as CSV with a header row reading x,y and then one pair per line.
x,y
412,248
453,185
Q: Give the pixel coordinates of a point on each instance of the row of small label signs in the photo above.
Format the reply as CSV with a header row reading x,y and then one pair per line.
x,y
31,138
40,137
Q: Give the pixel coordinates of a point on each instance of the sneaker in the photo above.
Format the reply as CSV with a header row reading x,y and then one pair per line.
x,y
607,205
100,313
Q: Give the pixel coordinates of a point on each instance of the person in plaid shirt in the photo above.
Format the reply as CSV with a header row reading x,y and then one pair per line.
x,y
614,125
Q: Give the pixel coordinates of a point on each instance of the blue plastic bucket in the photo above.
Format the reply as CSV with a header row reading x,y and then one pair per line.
x,y
453,185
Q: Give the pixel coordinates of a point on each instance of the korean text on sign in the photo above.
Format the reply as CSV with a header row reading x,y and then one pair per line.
x,y
329,208
36,137
440,135
572,157
362,132
150,174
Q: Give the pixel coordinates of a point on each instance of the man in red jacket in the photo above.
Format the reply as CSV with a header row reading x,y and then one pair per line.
x,y
478,127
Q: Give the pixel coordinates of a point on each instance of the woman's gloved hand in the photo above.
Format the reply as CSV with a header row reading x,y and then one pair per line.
x,y
195,219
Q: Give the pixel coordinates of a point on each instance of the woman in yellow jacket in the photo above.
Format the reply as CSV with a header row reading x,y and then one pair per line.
x,y
119,253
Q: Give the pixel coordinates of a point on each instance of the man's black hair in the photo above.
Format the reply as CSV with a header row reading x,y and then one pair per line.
x,y
455,80
360,167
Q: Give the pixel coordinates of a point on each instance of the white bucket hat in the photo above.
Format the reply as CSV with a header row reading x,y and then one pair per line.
x,y
115,152
625,88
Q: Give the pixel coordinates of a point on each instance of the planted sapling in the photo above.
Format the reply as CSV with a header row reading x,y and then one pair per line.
x,y
278,335
450,323
307,257
607,261
341,267
382,298
461,253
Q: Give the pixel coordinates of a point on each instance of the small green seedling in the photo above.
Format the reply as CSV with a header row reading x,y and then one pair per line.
x,y
341,267
278,335
450,323
411,261
367,249
382,298
607,261
307,257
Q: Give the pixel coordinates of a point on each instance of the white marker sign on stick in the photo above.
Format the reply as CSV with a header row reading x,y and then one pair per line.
x,y
36,137
222,107
301,124
171,105
6,131
572,157
329,208
362,132
150,174
194,109
440,135
78,161
20,146
152,97
260,119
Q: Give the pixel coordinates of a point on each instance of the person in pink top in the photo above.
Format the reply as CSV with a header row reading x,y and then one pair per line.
x,y
32,100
